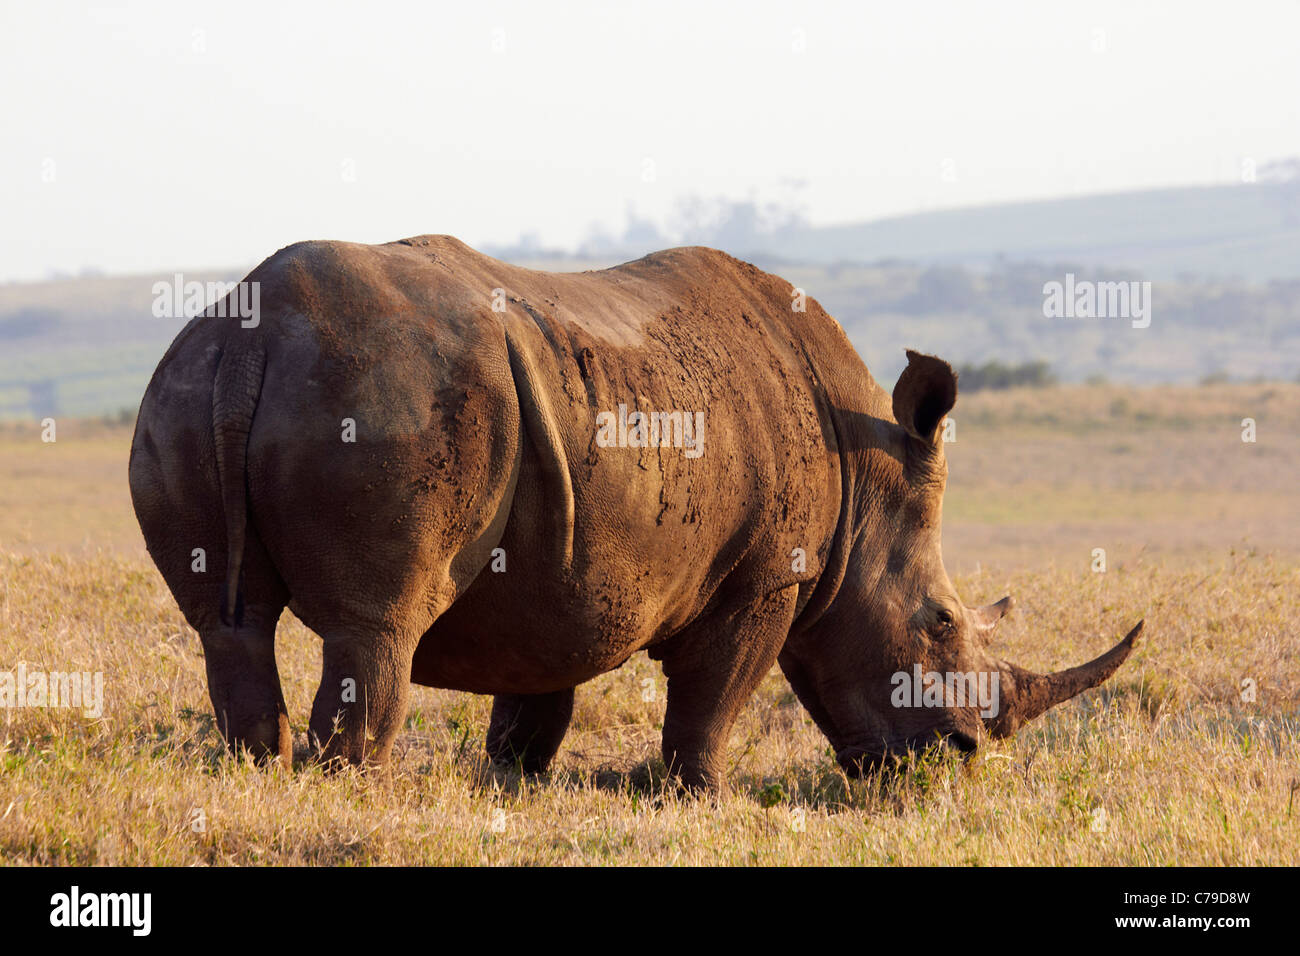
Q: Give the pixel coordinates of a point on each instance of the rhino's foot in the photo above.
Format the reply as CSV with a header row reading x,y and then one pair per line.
x,y
361,703
526,729
697,771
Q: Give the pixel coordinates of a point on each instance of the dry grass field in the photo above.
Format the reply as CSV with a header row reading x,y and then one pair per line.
x,y
1169,763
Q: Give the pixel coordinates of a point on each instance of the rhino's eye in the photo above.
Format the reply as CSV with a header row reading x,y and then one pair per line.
x,y
945,618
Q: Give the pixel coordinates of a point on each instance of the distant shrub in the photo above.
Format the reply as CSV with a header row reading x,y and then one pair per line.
x,y
26,323
996,375
942,289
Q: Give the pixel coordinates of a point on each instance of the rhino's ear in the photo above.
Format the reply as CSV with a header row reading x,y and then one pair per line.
x,y
925,393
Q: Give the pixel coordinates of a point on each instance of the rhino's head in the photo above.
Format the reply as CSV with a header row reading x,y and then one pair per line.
x,y
896,661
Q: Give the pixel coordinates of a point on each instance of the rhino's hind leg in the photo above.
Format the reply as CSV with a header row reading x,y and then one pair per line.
x,y
363,696
244,685
713,667
527,729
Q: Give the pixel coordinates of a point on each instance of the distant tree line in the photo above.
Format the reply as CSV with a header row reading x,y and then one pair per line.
x,y
996,375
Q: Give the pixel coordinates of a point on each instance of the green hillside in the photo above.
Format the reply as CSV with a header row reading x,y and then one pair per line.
x,y
83,346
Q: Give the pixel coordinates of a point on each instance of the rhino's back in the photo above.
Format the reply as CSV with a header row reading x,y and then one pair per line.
x,y
442,275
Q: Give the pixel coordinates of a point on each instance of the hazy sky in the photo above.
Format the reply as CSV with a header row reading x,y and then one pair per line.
x,y
167,135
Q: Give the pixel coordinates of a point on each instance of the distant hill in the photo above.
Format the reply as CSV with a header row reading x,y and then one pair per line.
x,y
1248,231
82,346
1251,231
1199,328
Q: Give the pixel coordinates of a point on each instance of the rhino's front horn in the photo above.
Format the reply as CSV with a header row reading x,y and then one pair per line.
x,y
1025,695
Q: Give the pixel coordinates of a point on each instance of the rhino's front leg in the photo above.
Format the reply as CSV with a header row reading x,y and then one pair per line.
x,y
362,700
527,729
713,667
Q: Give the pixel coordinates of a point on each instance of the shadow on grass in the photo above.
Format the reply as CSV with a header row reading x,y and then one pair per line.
x,y
894,786
897,784
643,783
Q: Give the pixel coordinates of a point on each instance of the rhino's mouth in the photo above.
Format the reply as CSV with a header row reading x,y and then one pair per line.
x,y
857,760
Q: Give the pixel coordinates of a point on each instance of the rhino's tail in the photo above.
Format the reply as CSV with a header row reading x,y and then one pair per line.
x,y
234,400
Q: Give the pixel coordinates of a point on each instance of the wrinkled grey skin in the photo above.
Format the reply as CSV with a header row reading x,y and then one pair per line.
x,y
803,531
